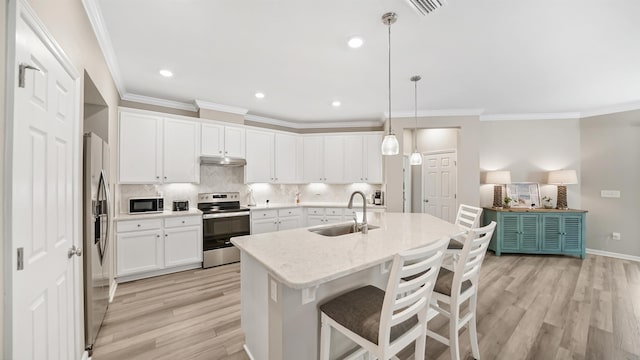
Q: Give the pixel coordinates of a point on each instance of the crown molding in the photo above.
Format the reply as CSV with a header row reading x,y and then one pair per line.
x,y
92,8
612,109
220,107
531,116
159,102
314,124
431,113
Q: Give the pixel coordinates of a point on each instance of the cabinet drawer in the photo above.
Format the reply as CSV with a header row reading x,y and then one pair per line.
x,y
334,211
315,211
264,214
182,221
289,212
136,225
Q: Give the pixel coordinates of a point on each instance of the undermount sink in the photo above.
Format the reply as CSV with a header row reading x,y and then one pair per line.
x,y
340,229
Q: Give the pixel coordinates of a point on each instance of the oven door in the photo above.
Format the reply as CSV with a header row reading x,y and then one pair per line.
x,y
218,229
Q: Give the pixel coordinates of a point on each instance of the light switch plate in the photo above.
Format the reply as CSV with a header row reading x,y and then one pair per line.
x,y
615,236
610,193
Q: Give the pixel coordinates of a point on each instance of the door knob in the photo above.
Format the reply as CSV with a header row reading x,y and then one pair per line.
x,y
74,251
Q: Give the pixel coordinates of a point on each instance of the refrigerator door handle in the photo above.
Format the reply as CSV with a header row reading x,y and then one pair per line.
x,y
102,186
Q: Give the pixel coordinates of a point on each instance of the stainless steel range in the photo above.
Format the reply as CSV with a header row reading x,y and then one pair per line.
x,y
223,218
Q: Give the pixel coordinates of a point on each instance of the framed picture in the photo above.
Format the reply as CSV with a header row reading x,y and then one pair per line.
x,y
524,195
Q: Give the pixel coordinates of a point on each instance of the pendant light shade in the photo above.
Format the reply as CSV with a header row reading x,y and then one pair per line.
x,y
390,145
416,157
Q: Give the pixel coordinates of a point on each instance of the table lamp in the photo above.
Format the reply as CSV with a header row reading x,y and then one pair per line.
x,y
498,178
562,178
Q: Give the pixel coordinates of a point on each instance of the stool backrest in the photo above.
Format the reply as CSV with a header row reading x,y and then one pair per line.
x,y
471,257
468,216
405,299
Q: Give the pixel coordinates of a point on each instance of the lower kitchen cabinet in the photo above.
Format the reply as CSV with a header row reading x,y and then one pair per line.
x,y
270,220
537,231
150,247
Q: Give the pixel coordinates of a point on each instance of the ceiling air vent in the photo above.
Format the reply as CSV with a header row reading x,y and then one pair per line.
x,y
426,6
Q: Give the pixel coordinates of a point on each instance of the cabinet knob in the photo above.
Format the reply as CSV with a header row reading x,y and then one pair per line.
x,y
226,152
165,235
165,177
219,151
157,177
157,236
138,225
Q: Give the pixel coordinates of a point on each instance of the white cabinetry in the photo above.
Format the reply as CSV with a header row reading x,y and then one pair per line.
x,y
313,163
219,140
363,158
272,157
263,221
323,216
154,149
149,247
372,156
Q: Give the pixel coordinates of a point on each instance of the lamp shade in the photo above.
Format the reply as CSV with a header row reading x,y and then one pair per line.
x,y
562,177
415,158
498,177
390,145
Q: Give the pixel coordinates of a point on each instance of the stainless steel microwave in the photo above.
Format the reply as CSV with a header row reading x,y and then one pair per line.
x,y
138,205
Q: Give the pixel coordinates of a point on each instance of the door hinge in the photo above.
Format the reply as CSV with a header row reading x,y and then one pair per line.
x,y
20,258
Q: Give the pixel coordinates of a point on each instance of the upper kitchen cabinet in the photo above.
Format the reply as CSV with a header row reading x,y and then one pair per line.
x,y
372,158
272,157
219,140
324,159
154,149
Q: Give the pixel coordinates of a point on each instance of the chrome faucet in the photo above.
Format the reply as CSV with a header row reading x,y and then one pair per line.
x,y
365,227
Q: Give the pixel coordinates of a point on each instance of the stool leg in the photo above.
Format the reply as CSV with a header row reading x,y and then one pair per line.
x,y
473,332
420,347
454,341
325,338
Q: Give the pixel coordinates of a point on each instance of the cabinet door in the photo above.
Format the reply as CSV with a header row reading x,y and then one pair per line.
x,y
260,226
509,229
354,158
139,251
259,156
182,245
551,232
313,163
529,232
285,158
572,233
140,149
181,156
334,159
212,140
289,222
332,219
373,159
234,142
314,220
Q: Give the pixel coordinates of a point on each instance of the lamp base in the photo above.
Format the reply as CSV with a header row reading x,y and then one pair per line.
x,y
497,196
562,198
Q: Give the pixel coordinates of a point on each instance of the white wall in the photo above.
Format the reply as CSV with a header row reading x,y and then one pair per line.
x,y
3,53
529,149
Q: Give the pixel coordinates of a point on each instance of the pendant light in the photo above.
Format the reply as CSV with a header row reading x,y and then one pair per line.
x,y
390,145
416,157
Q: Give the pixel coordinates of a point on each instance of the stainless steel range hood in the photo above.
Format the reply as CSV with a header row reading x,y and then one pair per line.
x,y
222,161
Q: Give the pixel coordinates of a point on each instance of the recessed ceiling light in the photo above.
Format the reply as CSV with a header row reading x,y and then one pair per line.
x,y
355,42
336,103
259,95
166,73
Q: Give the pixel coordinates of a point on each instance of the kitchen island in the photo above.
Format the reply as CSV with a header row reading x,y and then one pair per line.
x,y
286,274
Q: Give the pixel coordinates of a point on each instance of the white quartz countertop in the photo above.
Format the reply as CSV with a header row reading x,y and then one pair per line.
x,y
303,259
263,206
165,213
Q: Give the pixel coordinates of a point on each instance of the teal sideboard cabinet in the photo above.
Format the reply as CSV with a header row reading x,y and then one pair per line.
x,y
537,231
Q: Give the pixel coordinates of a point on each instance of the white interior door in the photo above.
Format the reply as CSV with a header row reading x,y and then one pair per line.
x,y
45,186
439,185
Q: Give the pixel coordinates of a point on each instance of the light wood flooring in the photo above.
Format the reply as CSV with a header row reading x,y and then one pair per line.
x,y
530,307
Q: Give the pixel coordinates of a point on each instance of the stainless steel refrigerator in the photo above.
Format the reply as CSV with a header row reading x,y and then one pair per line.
x,y
96,232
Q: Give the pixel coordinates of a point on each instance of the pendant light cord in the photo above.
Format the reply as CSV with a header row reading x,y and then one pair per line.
x,y
390,78
415,114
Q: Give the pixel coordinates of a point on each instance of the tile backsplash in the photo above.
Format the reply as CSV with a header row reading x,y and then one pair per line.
x,y
228,179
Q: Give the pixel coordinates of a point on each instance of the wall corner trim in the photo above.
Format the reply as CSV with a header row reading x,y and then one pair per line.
x,y
159,102
201,104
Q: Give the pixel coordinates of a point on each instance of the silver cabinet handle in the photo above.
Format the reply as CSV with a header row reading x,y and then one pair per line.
x,y
74,251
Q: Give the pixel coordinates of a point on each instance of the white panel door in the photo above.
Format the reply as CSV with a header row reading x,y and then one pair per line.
x,y
234,142
181,156
182,246
439,185
140,251
212,140
285,158
373,158
353,159
334,159
45,154
259,166
140,155
313,159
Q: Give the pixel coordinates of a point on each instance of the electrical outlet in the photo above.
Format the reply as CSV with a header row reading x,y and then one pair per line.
x,y
615,236
610,194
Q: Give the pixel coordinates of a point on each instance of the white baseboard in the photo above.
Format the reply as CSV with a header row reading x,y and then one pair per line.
x,y
112,293
246,349
613,255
